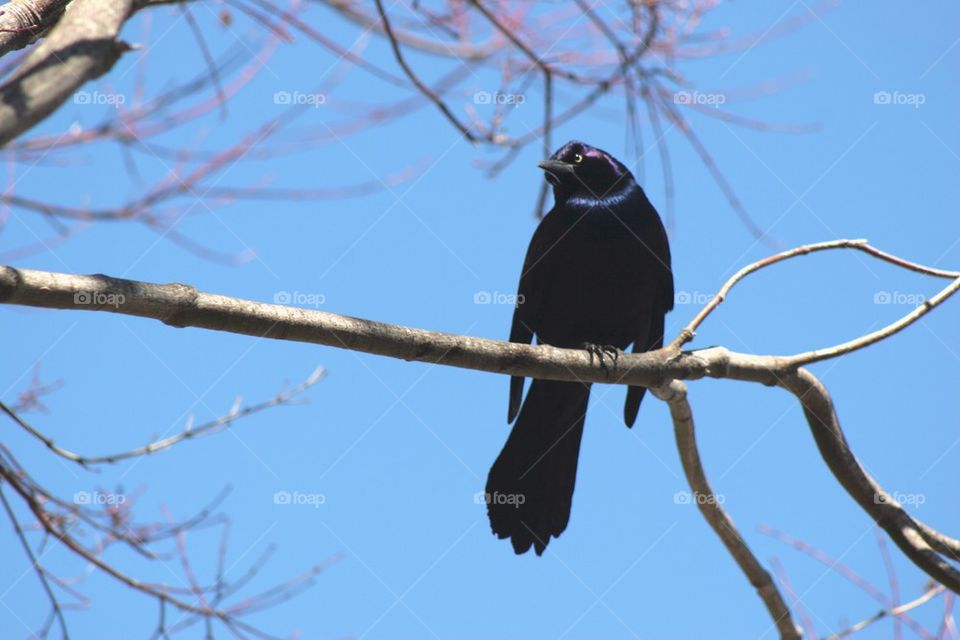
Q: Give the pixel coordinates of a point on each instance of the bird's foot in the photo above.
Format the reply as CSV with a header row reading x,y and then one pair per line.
x,y
602,352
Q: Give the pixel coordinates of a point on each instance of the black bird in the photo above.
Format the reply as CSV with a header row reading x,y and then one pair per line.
x,y
597,276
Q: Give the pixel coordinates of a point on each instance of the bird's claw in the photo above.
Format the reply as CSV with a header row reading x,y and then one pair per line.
x,y
602,351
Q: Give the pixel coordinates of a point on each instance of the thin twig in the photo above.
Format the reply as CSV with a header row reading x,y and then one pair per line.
x,y
885,613
36,566
689,332
421,86
189,432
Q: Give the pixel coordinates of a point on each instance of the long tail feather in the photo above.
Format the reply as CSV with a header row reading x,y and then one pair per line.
x,y
530,486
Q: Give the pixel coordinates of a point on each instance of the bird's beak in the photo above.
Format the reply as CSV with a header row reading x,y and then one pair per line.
x,y
556,166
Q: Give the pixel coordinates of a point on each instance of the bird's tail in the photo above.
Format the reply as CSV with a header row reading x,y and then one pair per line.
x,y
530,486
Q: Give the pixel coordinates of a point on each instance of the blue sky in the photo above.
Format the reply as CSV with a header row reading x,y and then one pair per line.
x,y
397,450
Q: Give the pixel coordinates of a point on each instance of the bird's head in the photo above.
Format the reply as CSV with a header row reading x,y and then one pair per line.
x,y
579,170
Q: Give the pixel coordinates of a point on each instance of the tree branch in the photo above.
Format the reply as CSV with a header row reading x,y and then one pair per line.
x,y
914,540
189,432
412,76
180,305
22,21
689,331
675,395
891,612
82,46
37,567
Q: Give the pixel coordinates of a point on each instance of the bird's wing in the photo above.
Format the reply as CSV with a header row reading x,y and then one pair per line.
x,y
525,313
650,336
664,273
654,340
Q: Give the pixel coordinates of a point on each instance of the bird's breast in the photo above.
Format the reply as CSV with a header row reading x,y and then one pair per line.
x,y
596,283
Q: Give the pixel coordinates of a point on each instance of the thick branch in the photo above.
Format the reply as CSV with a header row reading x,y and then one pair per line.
x,y
82,46
21,21
914,539
180,305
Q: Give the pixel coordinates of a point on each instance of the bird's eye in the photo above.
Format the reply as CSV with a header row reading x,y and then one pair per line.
x,y
577,158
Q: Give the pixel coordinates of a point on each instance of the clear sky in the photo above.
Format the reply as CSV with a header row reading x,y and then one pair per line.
x,y
397,450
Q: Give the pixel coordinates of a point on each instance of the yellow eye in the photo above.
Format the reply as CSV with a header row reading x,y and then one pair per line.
x,y
577,158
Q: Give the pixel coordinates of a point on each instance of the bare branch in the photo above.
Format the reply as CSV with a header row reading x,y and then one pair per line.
x,y
675,395
65,523
37,567
423,88
81,47
916,544
22,21
837,566
189,432
180,305
929,595
465,51
876,336
688,332
56,528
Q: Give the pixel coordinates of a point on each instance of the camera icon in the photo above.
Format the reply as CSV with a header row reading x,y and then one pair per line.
x,y
882,297
281,497
82,297
281,297
81,497
482,297
882,97
682,97
81,97
282,97
681,497
682,297
482,97
480,497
